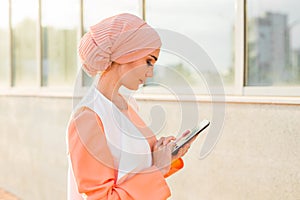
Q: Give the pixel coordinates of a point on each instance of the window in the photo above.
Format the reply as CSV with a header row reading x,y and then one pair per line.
x,y
209,23
60,25
24,42
273,43
4,45
256,52
94,11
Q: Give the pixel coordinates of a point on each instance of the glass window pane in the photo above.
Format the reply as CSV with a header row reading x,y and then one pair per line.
x,y
4,44
208,23
24,24
177,75
59,33
273,51
95,11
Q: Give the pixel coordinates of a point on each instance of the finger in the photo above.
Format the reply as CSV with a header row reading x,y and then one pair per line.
x,y
185,133
160,141
192,140
184,151
189,144
171,145
181,152
168,140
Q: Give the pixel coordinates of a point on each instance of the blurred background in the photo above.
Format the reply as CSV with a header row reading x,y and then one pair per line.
x,y
254,44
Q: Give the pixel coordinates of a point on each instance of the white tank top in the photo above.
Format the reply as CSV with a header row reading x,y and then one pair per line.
x,y
129,147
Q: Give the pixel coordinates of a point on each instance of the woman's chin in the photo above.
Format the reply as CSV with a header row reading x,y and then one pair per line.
x,y
136,87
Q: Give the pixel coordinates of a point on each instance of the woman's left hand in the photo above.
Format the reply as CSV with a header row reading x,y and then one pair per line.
x,y
182,151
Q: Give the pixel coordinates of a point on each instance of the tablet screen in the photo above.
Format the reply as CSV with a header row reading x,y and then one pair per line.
x,y
198,129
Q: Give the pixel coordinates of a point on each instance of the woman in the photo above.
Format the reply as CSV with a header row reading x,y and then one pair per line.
x,y
112,154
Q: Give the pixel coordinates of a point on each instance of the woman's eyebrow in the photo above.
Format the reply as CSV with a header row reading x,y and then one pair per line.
x,y
155,58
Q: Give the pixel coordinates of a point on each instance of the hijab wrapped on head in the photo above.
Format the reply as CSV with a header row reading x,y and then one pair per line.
x,y
122,38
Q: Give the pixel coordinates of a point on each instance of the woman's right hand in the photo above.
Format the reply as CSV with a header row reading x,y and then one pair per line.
x,y
162,153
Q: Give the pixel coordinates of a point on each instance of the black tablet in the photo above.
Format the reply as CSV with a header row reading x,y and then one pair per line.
x,y
194,132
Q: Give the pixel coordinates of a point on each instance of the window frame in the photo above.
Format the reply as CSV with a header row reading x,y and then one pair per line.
x,y
241,42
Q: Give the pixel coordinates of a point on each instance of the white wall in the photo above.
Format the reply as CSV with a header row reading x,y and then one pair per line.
x,y
32,147
257,156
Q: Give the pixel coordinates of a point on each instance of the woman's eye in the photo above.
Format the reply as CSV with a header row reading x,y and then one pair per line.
x,y
149,63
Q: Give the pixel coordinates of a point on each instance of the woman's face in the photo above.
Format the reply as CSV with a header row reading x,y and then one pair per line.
x,y
136,72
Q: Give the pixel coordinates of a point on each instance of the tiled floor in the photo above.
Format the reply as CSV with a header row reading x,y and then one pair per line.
x,y
4,195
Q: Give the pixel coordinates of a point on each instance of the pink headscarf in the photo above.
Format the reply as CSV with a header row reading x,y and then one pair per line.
x,y
122,38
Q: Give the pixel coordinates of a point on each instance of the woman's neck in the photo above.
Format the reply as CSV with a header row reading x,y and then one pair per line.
x,y
109,85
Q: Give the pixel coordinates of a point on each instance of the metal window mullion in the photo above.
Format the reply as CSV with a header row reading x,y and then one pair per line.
x,y
79,35
39,51
81,19
142,9
239,47
10,45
